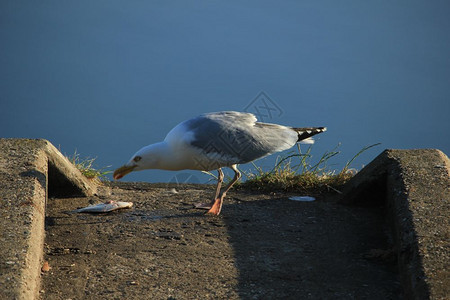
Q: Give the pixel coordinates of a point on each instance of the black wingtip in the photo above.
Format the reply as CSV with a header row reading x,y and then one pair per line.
x,y
307,132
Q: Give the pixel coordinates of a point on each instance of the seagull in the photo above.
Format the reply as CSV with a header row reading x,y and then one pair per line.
x,y
215,140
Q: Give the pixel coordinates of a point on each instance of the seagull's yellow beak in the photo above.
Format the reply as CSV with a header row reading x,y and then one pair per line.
x,y
122,171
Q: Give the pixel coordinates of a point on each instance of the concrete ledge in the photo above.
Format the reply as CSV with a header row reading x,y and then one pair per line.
x,y
414,186
29,170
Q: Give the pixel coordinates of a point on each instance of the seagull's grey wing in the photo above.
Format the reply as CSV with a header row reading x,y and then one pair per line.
x,y
234,137
230,116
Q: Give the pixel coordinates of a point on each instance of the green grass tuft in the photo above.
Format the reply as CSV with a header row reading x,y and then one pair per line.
x,y
86,167
296,173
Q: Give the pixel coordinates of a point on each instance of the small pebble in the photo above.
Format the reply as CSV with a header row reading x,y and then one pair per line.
x,y
45,267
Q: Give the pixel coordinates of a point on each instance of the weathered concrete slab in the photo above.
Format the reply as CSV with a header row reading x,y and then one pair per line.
x,y
29,171
415,186
262,246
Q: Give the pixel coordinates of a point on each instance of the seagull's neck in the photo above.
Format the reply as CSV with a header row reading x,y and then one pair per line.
x,y
161,156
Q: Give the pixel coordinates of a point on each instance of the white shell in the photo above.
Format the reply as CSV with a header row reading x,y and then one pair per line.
x,y
302,198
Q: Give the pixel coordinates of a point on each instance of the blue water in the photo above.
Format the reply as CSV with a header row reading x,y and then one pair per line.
x,y
105,78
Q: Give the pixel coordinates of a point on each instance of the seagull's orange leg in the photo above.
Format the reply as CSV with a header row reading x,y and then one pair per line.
x,y
217,206
219,185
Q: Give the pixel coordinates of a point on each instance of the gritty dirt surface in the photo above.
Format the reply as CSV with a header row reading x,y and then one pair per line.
x,y
261,247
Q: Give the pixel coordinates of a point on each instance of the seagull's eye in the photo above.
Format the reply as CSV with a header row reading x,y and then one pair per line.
x,y
137,158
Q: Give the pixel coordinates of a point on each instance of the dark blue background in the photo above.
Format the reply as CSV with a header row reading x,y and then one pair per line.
x,y
107,77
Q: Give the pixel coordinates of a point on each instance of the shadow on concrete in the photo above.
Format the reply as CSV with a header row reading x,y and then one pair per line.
x,y
311,250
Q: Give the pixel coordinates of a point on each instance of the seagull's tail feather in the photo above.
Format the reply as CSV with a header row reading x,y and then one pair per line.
x,y
305,133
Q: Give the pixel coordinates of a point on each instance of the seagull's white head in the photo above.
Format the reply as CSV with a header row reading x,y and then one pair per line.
x,y
145,158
